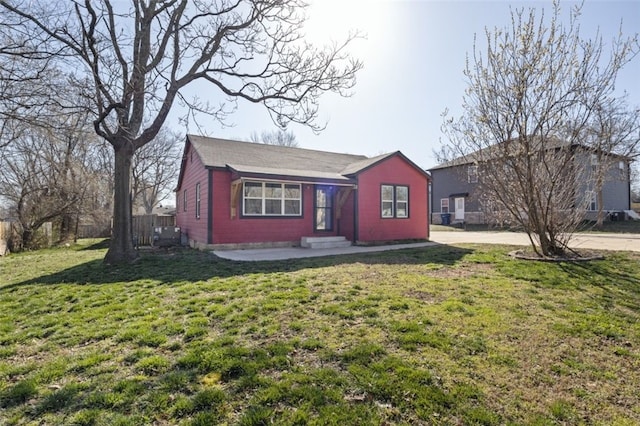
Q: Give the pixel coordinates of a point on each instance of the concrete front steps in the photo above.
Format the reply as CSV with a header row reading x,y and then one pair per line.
x,y
324,242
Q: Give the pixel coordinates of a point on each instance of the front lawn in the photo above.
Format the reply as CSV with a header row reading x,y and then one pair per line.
x,y
438,335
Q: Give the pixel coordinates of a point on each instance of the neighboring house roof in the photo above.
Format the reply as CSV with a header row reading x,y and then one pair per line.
x,y
494,151
261,160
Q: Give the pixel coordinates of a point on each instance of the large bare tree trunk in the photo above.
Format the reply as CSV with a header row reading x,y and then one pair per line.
x,y
131,62
121,246
67,228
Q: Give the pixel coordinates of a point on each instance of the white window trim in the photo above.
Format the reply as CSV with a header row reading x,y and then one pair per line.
x,y
263,199
472,174
592,201
387,201
394,202
398,202
444,201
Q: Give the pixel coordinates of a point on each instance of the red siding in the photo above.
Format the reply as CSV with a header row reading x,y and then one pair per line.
x,y
371,225
345,225
255,229
194,173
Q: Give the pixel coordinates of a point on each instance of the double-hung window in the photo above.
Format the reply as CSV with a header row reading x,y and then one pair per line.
x,y
394,201
592,200
472,174
595,163
444,205
622,169
271,199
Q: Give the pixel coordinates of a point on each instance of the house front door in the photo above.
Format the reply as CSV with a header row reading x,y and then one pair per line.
x,y
459,209
323,206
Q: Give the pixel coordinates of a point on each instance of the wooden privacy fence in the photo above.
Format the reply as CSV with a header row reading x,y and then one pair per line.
x,y
93,231
143,227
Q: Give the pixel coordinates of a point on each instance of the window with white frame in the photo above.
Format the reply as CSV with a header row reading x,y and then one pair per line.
x,y
402,201
184,200
444,205
622,170
271,199
592,200
198,200
386,196
594,162
472,174
394,201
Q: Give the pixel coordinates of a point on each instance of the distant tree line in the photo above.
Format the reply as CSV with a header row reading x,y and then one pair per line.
x,y
54,168
275,137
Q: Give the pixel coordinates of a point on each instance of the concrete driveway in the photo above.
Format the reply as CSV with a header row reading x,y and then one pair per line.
x,y
597,241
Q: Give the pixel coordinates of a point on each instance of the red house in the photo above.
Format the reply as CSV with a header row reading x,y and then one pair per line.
x,y
241,194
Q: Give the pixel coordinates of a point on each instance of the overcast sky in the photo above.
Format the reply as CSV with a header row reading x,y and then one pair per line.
x,y
414,56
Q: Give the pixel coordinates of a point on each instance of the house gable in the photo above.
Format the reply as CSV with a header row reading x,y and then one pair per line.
x,y
393,171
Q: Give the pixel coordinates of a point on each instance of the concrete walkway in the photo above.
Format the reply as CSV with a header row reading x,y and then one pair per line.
x,y
629,242
596,241
299,252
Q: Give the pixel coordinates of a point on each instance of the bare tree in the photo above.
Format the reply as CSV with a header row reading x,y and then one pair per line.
x,y
29,82
49,148
133,61
276,137
97,206
155,170
44,175
529,105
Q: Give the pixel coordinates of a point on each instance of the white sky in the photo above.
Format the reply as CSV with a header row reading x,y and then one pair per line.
x,y
414,57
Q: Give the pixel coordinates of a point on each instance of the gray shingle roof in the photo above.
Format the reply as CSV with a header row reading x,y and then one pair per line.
x,y
248,157
497,150
358,166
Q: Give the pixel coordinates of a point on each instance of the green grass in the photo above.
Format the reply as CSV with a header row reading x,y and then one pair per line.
x,y
439,335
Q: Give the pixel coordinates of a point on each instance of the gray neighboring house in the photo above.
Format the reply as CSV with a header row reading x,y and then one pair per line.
x,y
455,189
